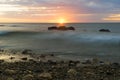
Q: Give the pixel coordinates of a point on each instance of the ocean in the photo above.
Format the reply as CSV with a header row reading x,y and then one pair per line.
x,y
85,42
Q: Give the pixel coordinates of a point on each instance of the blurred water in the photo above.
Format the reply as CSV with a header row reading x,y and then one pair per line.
x,y
85,42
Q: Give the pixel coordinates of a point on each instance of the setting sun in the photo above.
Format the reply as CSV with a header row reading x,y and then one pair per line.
x,y
62,21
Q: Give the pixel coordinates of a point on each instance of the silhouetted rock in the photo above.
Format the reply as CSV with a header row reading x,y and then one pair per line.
x,y
52,28
104,30
61,28
71,28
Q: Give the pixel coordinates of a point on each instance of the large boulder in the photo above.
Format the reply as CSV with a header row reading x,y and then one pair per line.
x,y
104,30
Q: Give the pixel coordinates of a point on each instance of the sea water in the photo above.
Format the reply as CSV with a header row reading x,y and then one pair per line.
x,y
83,43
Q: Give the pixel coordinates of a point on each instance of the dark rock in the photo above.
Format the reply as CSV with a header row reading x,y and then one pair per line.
x,y
42,56
115,65
52,55
104,30
0,71
27,51
71,28
52,28
25,58
61,28
1,50
12,58
52,62
1,61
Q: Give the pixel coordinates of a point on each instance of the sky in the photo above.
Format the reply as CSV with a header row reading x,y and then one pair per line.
x,y
56,10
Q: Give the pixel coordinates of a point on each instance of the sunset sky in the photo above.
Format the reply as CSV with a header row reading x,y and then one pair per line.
x,y
55,10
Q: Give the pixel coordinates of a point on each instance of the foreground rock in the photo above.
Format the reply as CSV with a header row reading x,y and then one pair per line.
x,y
50,70
46,67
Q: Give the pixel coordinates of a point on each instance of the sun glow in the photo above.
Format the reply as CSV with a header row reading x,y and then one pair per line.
x,y
62,21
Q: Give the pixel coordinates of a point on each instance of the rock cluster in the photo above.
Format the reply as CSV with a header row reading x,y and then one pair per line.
x,y
59,70
61,28
35,69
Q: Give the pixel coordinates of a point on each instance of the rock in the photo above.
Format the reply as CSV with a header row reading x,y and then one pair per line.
x,y
24,58
0,71
42,56
52,62
104,30
52,55
71,28
72,72
10,72
52,28
12,58
95,60
87,62
45,75
61,28
115,65
1,61
26,51
10,78
28,77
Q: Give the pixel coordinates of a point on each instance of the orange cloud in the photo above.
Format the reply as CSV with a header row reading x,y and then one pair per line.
x,y
113,17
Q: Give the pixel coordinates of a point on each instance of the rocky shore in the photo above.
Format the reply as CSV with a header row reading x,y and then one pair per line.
x,y
24,65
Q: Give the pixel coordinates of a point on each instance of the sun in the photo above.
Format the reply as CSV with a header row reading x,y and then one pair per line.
x,y
61,21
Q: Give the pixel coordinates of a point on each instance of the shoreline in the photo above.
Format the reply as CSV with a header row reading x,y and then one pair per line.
x,y
25,65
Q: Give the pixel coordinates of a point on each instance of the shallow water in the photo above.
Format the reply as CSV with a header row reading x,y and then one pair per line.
x,y
85,42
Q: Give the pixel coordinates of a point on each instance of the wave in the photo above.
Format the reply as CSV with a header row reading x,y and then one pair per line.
x,y
83,37
4,32
78,36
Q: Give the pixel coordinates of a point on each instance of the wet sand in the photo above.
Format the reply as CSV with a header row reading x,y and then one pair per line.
x,y
26,65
